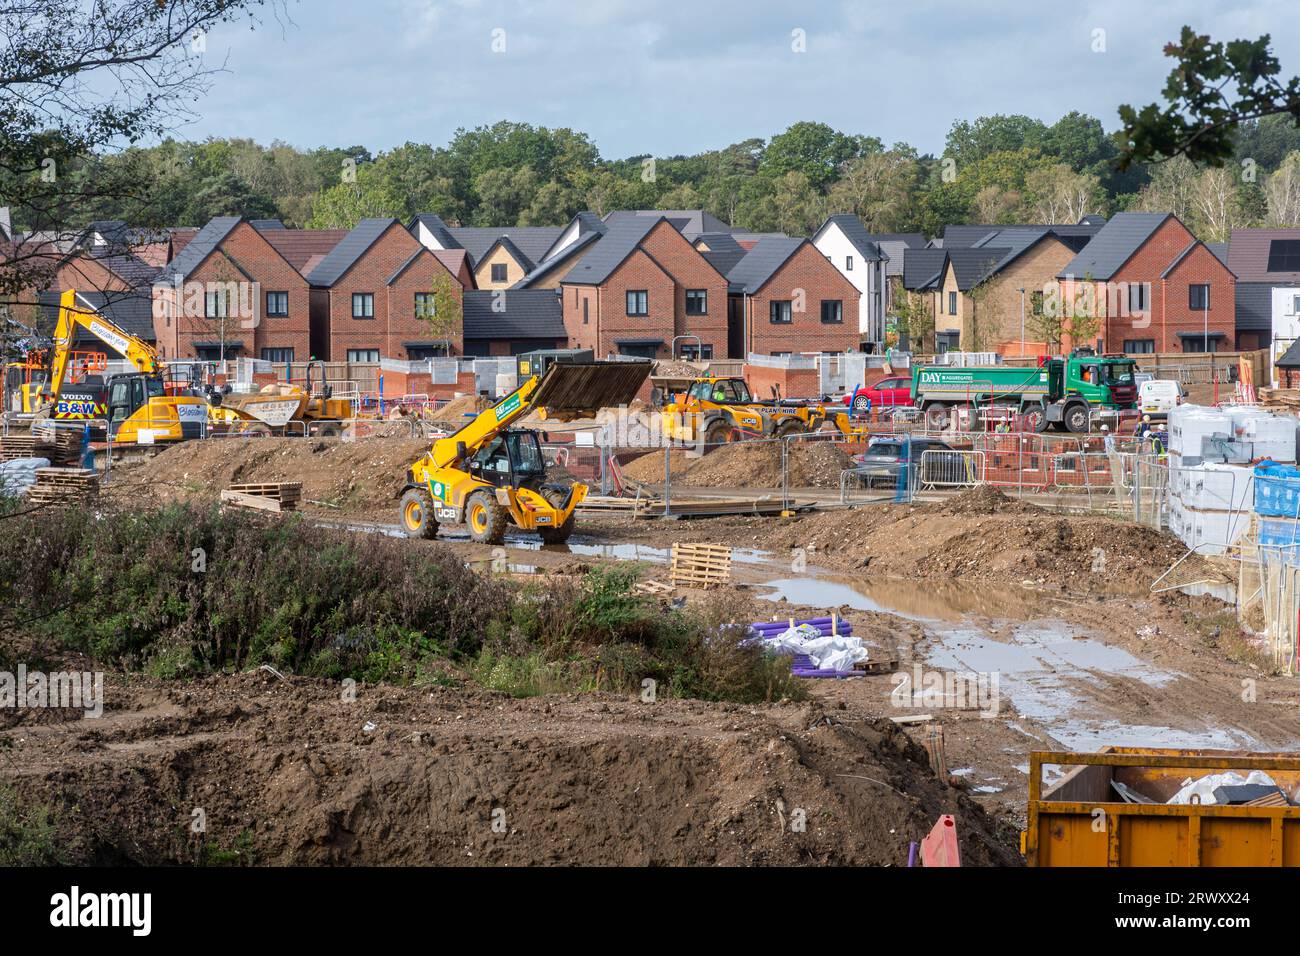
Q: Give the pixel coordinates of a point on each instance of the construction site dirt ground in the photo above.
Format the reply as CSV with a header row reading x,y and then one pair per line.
x,y
1059,607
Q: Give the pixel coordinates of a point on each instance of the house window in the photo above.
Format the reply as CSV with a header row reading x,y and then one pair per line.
x,y
638,303
1036,303
952,303
498,272
947,341
425,305
780,354
277,304
585,310
697,353
832,311
216,304
363,305
1284,255
277,355
1137,298
418,353
1198,343
1198,297
848,263
697,302
363,355
781,311
1140,346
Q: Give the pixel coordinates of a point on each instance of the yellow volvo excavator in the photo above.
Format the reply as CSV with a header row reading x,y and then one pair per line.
x,y
489,476
136,404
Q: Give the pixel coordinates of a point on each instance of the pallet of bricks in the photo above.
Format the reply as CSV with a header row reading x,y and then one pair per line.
x,y
61,446
63,486
274,496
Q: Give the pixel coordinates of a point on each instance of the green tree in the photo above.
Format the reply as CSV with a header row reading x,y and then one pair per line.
x,y
814,150
345,205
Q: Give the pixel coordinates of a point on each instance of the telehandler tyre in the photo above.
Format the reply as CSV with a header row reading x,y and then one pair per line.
x,y
417,514
560,533
486,519
719,433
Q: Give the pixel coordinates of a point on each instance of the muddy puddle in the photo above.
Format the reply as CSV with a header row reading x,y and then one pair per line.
x,y
1046,670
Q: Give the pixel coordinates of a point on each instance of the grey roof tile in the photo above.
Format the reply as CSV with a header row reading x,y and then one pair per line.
x,y
754,271
622,239
344,255
433,222
922,267
854,231
527,314
201,246
553,262
533,241
1114,245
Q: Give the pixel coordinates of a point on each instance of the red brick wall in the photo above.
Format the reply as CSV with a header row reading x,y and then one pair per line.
x,y
582,335
1169,311
639,272
794,382
690,270
242,256
370,273
808,270
403,326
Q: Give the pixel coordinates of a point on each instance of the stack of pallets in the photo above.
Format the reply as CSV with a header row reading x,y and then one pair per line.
x,y
13,447
701,565
61,486
265,496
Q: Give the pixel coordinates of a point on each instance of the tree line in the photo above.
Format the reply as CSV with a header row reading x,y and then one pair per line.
x,y
995,169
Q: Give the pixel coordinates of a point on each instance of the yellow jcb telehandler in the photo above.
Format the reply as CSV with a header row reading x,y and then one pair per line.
x,y
489,476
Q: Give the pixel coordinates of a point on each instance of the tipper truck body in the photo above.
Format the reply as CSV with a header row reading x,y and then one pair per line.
x,y
1061,391
1113,808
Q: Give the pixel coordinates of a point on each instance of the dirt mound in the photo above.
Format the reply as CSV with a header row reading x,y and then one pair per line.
x,y
286,773
1001,541
985,500
340,476
746,465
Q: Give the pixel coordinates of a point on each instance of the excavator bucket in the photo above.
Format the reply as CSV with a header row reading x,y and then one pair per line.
x,y
572,390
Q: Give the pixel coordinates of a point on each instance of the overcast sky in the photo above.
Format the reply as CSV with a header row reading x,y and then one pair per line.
x,y
680,76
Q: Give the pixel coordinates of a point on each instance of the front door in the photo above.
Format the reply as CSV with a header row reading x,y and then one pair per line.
x,y
735,326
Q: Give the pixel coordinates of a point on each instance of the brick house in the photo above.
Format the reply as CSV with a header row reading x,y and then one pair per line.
x,y
499,257
370,293
1155,287
786,298
231,293
640,287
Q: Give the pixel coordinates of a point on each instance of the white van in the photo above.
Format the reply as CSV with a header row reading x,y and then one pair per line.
x,y
1158,397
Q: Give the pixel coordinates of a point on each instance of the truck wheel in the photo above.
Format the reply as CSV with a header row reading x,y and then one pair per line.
x,y
256,430
936,416
1076,418
559,533
1036,418
417,514
791,426
719,433
486,518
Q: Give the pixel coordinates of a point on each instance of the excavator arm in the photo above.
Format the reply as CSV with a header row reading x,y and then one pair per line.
x,y
76,313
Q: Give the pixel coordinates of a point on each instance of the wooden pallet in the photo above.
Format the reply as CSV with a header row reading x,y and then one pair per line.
x,y
63,486
701,565
877,666
273,496
655,588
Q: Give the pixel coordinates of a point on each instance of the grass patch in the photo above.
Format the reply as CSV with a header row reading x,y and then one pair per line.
x,y
27,834
181,591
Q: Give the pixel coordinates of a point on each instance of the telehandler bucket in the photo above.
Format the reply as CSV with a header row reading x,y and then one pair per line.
x,y
572,390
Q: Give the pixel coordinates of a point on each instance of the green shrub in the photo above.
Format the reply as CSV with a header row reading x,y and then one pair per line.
x,y
27,834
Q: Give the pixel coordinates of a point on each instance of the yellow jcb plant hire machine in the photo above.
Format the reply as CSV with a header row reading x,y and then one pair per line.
x,y
489,475
137,405
718,410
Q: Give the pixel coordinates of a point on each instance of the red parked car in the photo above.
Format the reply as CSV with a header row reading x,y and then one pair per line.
x,y
887,393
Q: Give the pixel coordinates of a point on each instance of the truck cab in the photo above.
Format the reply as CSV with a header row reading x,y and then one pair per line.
x,y
1102,380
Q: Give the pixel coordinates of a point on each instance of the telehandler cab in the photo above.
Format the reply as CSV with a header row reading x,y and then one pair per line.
x,y
489,475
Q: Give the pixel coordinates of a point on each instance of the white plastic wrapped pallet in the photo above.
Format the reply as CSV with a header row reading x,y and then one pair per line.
x,y
20,474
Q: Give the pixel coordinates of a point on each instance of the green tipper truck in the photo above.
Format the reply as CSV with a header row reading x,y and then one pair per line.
x,y
1061,392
